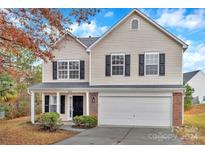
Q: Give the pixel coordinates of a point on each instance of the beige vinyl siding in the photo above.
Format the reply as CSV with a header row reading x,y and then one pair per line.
x,y
134,42
67,50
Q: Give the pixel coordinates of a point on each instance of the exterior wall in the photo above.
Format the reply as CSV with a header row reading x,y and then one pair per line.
x,y
67,50
93,104
177,109
135,42
196,83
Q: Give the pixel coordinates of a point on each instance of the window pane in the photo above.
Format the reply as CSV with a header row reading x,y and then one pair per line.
x,y
53,108
117,70
74,65
151,69
152,59
74,75
53,103
117,59
134,24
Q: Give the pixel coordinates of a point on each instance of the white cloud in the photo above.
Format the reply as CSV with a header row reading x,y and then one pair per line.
x,y
109,14
179,19
189,42
194,60
85,29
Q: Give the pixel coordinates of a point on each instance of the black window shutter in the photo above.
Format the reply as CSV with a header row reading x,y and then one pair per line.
x,y
54,70
82,69
127,65
162,64
107,65
141,64
46,103
62,104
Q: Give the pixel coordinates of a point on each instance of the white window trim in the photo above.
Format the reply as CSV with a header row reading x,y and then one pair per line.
x,y
138,24
67,70
149,53
118,54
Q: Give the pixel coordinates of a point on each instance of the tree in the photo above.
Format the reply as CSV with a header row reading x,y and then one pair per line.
x,y
188,97
7,92
35,30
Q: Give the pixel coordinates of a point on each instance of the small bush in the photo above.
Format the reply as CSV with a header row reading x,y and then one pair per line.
x,y
50,121
187,104
188,97
85,121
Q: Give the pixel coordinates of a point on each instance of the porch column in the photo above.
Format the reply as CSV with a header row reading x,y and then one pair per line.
x,y
87,103
58,102
32,107
43,102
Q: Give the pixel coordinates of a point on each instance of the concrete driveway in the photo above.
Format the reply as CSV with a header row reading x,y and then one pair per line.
x,y
124,136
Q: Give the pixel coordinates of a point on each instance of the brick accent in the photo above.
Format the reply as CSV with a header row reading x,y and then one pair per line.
x,y
177,109
93,103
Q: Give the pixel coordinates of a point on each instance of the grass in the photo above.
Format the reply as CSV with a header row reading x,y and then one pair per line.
x,y
21,131
193,131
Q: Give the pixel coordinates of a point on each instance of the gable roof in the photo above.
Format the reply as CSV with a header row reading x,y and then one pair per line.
x,y
184,45
87,41
187,76
73,36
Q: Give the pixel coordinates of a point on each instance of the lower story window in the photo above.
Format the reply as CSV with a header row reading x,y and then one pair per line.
x,y
53,104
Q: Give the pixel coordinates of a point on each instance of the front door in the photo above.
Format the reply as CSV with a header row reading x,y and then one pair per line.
x,y
77,105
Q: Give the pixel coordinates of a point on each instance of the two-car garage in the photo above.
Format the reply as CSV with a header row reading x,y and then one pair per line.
x,y
131,110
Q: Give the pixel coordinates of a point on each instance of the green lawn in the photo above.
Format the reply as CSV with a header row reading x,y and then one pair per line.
x,y
197,120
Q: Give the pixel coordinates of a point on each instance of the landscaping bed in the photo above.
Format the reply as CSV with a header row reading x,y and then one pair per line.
x,y
21,131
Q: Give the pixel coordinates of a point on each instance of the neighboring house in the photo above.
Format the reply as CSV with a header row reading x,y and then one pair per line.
x,y
131,75
196,79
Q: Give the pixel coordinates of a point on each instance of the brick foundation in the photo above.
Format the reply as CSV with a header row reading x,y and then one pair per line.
x,y
93,104
177,109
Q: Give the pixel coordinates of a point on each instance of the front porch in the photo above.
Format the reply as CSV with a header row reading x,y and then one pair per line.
x,y
67,104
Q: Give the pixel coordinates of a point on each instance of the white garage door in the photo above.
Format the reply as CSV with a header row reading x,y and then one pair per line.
x,y
138,111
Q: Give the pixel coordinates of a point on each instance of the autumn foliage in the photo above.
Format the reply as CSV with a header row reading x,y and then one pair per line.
x,y
35,30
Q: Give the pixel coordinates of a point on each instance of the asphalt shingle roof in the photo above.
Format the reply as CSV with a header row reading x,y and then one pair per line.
x,y
87,41
187,76
85,85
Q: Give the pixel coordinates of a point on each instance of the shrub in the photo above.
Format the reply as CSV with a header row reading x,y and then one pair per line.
x,y
85,121
188,97
50,121
187,103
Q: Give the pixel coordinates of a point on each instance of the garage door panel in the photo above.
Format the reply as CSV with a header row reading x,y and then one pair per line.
x,y
140,111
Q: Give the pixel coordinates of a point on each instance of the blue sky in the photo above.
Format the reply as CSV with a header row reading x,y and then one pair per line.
x,y
187,24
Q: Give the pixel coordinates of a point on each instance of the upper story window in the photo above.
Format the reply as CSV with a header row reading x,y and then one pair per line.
x,y
74,69
62,70
69,69
134,24
151,63
118,64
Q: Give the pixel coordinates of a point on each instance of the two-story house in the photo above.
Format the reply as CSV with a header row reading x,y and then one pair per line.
x,y
130,76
